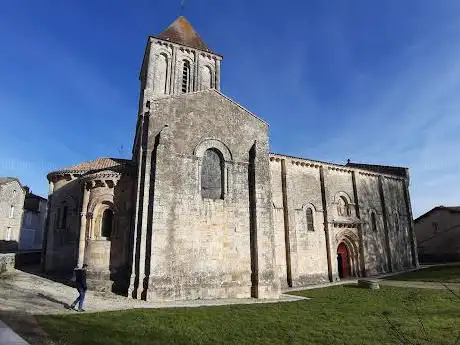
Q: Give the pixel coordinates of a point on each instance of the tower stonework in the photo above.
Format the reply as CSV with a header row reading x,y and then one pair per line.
x,y
204,226
203,210
178,61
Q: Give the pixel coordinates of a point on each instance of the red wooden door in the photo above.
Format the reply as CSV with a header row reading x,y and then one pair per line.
x,y
343,260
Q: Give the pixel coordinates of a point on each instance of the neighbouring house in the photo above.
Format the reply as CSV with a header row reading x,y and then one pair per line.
x,y
438,234
33,223
12,195
203,210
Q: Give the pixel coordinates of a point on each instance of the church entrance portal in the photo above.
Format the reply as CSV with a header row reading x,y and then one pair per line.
x,y
343,261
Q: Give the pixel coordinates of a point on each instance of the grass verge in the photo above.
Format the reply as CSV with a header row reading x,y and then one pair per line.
x,y
445,274
334,315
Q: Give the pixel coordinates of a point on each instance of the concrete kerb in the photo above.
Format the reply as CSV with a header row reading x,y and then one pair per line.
x,y
9,337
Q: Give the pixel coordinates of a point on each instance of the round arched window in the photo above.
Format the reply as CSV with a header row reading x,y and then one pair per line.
x,y
212,174
107,223
343,209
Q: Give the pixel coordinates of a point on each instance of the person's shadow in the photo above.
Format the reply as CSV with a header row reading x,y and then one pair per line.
x,y
52,299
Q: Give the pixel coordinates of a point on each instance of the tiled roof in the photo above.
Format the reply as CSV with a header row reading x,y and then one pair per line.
x,y
392,170
452,209
182,32
97,164
378,169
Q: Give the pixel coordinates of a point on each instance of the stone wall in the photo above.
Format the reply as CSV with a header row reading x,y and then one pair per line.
x,y
319,186
11,195
108,258
7,262
438,235
205,248
62,239
162,71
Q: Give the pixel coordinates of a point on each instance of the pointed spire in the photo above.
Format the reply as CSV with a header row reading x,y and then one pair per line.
x,y
182,32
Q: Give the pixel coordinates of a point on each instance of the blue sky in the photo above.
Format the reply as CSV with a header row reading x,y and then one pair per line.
x,y
373,81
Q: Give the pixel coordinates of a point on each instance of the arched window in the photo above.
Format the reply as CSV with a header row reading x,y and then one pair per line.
x,y
212,174
107,223
186,77
310,223
373,222
162,70
11,215
206,78
343,208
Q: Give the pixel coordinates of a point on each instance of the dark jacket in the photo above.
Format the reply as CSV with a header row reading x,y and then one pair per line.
x,y
80,278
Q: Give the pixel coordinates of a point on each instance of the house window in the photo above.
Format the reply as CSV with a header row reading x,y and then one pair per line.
x,y
8,234
373,222
435,227
212,174
107,223
186,77
343,209
310,223
64,217
11,215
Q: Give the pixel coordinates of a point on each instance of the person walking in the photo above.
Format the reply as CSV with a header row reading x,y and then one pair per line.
x,y
80,282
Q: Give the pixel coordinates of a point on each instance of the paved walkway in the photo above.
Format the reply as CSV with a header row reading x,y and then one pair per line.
x,y
8,337
29,293
23,294
420,284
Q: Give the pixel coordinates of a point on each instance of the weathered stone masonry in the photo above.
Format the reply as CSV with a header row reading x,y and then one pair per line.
x,y
203,210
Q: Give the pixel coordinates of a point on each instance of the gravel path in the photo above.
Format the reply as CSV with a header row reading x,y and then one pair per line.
x,y
29,293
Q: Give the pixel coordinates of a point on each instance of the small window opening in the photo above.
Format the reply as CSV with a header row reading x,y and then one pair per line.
x,y
107,223
186,77
310,224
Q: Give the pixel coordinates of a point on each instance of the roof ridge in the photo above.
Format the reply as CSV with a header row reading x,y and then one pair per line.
x,y
99,163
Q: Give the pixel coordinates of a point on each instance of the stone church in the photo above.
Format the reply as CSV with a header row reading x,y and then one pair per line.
x,y
204,210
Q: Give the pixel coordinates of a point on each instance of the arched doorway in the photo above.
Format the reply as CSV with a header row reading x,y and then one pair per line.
x,y
343,261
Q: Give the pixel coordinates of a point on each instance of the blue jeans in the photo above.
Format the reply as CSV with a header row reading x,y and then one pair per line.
x,y
80,299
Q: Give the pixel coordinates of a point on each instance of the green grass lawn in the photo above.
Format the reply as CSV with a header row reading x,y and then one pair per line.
x,y
447,274
334,315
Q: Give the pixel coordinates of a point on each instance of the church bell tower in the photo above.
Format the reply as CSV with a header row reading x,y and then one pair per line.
x,y
178,61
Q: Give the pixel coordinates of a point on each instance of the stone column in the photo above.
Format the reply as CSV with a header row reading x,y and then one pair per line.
x,y
360,263
173,72
268,281
139,240
410,219
326,224
385,224
196,78
287,228
82,241
217,75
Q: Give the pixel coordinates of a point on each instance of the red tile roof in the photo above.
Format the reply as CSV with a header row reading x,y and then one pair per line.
x,y
97,164
452,209
182,32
